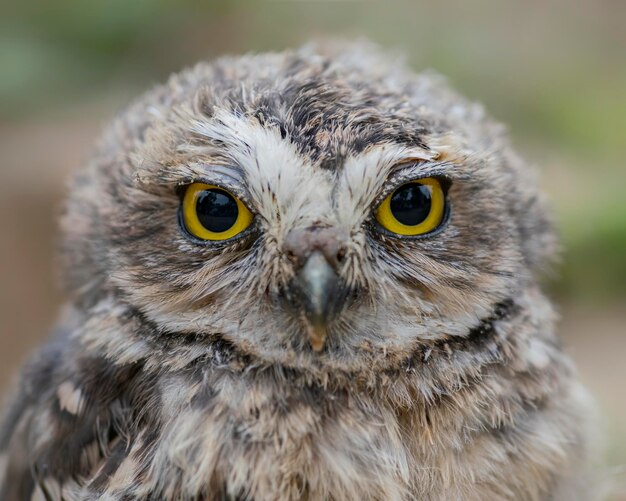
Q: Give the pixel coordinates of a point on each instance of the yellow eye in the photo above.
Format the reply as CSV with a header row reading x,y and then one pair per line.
x,y
212,213
415,208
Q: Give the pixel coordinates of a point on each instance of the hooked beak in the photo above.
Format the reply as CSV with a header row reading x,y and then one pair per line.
x,y
317,288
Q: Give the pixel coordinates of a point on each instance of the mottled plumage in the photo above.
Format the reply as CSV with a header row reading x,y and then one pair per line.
x,y
179,372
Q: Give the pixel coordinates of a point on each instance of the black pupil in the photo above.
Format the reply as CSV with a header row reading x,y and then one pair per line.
x,y
217,210
411,203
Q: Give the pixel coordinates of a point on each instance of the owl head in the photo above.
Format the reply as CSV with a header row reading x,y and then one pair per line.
x,y
321,209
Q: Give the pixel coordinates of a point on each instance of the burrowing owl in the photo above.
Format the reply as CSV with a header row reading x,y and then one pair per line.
x,y
305,275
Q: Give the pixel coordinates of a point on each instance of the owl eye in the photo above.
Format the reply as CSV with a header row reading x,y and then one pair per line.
x,y
212,213
415,208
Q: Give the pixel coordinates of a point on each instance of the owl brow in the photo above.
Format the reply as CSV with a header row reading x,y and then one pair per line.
x,y
229,174
420,169
226,175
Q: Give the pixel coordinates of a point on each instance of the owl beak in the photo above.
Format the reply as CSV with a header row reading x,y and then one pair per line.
x,y
318,290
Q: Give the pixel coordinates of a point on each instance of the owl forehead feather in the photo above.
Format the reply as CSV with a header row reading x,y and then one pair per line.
x,y
328,106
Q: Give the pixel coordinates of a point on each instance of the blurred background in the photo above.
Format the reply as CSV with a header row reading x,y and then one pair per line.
x,y
554,72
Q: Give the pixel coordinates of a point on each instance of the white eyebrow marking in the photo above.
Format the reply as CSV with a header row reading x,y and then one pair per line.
x,y
286,187
363,176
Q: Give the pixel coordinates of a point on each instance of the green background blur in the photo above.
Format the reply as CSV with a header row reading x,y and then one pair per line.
x,y
553,71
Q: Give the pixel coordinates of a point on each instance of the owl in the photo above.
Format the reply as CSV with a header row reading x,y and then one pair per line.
x,y
303,275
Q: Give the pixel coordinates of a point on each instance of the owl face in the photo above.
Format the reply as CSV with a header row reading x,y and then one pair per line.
x,y
306,210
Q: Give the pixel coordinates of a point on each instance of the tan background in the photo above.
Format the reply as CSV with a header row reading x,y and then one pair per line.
x,y
554,71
